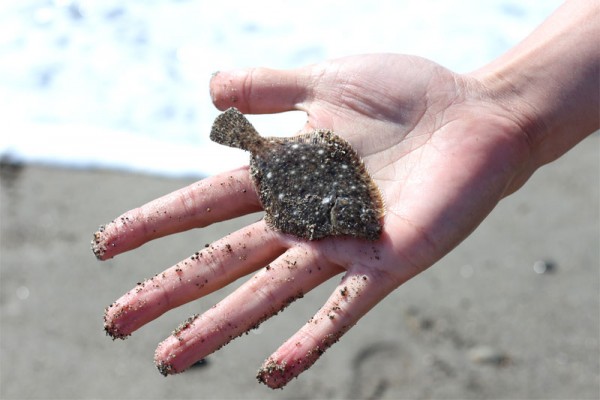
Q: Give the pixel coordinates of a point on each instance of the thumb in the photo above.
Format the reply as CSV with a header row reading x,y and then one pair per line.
x,y
260,90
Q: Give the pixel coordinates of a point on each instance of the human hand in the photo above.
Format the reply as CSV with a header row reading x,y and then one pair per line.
x,y
441,151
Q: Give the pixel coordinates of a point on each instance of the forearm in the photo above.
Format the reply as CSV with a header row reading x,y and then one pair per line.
x,y
550,82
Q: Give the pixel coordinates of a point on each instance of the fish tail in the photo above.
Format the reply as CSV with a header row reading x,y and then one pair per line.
x,y
232,129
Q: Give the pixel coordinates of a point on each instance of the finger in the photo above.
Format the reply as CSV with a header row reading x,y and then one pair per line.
x,y
272,289
210,200
358,292
260,90
208,270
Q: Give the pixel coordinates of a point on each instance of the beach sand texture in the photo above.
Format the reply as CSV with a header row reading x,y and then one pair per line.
x,y
513,312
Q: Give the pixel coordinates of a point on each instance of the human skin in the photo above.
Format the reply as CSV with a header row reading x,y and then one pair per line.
x,y
444,149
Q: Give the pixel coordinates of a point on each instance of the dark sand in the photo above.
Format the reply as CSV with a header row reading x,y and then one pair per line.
x,y
535,335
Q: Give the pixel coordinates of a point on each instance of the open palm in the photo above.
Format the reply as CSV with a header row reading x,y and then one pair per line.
x,y
441,151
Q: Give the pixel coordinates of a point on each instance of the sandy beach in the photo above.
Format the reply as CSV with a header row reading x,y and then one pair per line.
x,y
513,312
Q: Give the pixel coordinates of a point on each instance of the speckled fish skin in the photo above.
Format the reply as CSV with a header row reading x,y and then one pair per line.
x,y
312,185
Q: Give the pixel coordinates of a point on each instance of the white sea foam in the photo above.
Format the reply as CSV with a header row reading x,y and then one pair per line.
x,y
125,84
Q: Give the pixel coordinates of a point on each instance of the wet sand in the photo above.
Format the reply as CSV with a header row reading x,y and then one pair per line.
x,y
513,312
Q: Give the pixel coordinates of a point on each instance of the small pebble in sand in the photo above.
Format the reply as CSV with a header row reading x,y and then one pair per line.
x,y
543,267
312,185
487,355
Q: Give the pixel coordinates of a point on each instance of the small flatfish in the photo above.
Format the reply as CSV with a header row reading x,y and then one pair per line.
x,y
312,185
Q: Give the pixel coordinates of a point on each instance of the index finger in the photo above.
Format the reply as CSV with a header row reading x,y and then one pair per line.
x,y
200,204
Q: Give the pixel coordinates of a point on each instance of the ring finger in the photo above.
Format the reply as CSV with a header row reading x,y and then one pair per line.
x,y
273,288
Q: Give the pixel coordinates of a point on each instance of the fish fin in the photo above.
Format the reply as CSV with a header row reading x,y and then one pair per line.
x,y
232,129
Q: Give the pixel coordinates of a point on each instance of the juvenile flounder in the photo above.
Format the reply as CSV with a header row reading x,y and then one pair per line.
x,y
312,185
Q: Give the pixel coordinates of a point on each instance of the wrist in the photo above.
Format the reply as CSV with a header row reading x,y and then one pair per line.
x,y
548,84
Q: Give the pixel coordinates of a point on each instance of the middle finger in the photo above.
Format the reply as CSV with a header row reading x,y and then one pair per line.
x,y
205,271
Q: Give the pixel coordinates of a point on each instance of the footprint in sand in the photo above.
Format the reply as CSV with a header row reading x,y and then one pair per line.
x,y
374,368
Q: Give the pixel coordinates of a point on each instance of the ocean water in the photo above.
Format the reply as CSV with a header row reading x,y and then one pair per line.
x,y
124,85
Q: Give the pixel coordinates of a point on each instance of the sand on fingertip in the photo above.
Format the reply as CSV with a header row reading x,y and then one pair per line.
x,y
418,343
